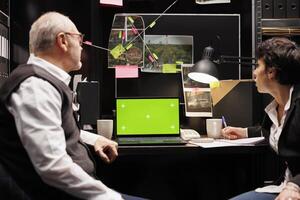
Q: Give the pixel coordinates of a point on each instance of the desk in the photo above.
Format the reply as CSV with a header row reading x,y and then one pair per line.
x,y
185,172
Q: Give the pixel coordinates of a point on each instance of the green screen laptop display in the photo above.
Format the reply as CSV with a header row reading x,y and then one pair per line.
x,y
147,116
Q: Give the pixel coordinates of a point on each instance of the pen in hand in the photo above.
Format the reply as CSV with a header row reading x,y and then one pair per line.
x,y
224,122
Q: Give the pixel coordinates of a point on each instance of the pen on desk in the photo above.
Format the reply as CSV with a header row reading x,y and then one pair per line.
x,y
224,122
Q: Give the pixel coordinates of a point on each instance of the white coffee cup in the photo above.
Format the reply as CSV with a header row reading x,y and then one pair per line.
x,y
105,127
213,128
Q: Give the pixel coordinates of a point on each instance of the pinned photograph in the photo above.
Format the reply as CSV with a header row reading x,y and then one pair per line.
x,y
125,48
163,52
198,102
197,96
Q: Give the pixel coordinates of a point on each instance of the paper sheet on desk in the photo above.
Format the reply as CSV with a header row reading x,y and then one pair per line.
x,y
227,143
213,144
244,141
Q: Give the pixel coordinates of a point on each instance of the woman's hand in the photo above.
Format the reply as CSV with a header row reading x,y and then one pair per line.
x,y
290,192
233,133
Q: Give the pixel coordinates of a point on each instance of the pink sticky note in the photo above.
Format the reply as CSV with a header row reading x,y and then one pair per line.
x,y
112,2
134,30
88,42
151,58
125,71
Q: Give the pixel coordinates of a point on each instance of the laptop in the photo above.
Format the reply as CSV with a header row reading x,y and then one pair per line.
x,y
148,121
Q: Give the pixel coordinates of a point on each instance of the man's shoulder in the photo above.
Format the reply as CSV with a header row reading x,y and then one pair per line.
x,y
29,69
28,75
36,82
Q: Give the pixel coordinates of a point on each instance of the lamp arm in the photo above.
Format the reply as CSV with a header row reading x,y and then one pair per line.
x,y
237,57
236,62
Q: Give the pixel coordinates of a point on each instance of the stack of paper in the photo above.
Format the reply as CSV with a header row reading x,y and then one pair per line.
x,y
226,142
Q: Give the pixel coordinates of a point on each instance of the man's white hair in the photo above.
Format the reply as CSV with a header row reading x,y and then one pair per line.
x,y
44,30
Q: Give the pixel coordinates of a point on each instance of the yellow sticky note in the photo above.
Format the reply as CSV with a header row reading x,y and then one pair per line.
x,y
169,68
152,24
117,51
120,34
131,20
155,56
214,84
128,46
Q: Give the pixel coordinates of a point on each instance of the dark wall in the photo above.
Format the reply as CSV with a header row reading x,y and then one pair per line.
x,y
95,21
4,6
24,13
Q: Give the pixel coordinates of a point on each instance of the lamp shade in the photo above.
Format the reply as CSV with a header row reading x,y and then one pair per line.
x,y
204,71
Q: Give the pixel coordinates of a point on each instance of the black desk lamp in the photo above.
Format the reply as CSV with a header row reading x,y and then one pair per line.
x,y
205,70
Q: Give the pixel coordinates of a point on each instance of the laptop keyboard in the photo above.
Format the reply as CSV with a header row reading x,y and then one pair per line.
x,y
150,140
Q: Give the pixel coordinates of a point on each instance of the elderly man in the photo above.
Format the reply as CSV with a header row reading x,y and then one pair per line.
x,y
41,145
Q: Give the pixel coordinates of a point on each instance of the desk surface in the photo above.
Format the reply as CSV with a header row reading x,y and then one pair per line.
x,y
189,148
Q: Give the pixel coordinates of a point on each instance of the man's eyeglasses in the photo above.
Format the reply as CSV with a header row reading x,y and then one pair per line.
x,y
79,36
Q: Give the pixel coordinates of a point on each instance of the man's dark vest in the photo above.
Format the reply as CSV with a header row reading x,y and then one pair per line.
x,y
12,153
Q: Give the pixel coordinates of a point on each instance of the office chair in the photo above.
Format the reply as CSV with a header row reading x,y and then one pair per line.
x,y
9,190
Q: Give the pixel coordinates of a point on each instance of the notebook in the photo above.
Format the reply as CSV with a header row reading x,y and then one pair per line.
x,y
148,121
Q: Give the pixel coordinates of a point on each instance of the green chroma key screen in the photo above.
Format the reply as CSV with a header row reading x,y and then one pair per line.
x,y
147,116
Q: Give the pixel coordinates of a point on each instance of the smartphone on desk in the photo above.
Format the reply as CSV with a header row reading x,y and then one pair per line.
x,y
189,134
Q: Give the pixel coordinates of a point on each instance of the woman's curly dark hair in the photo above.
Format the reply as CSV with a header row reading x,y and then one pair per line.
x,y
284,56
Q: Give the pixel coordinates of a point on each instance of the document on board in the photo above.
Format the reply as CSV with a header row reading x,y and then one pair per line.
x,y
226,143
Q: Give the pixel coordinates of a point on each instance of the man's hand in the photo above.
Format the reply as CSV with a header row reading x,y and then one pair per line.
x,y
106,149
233,133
